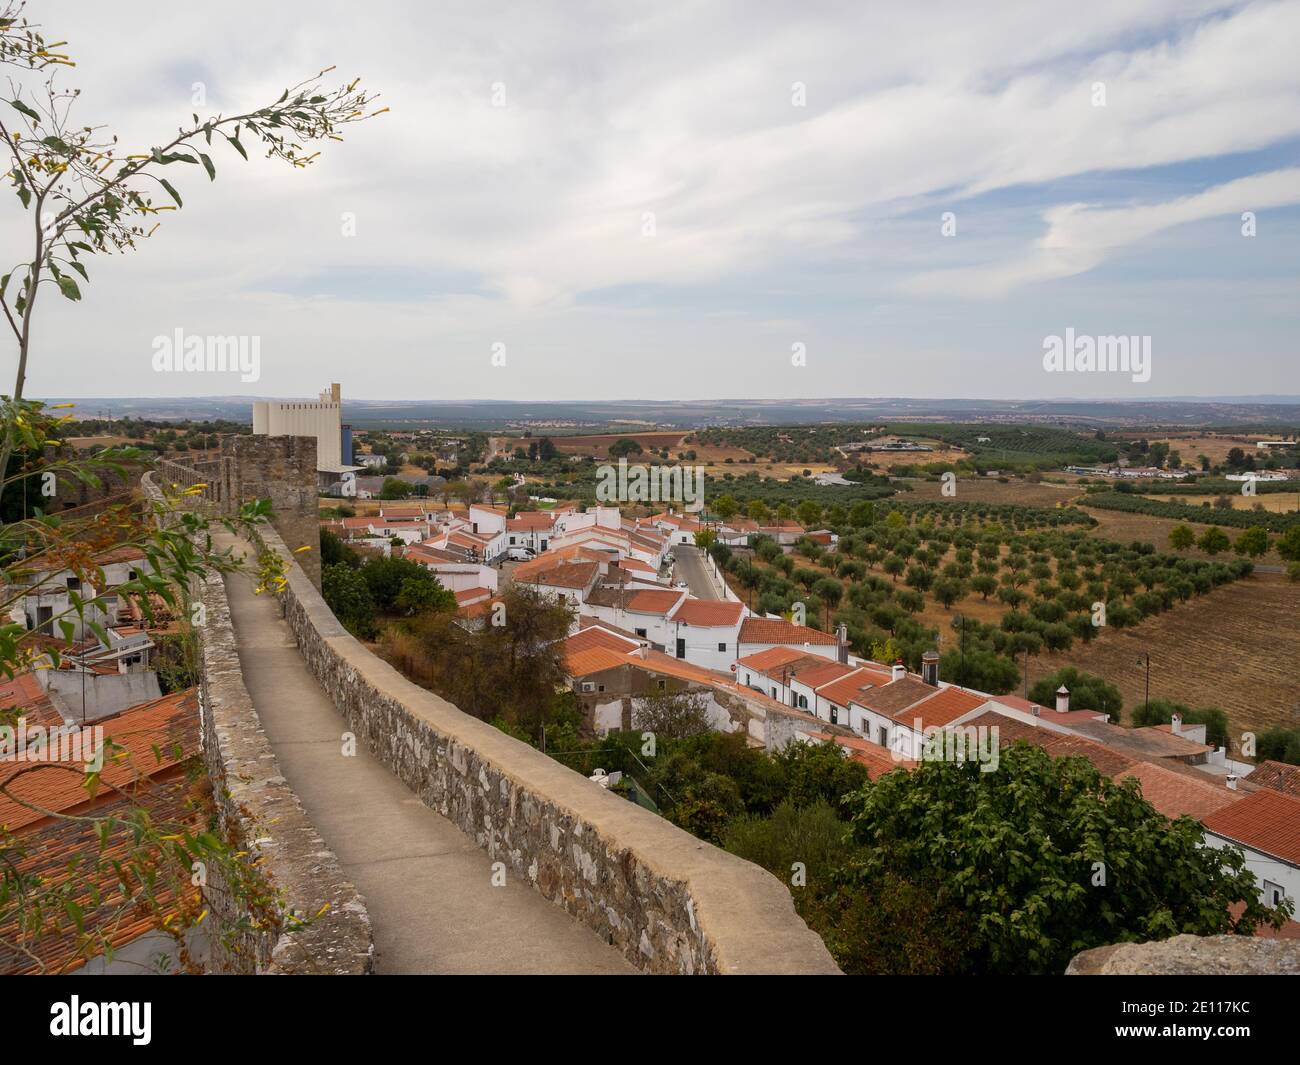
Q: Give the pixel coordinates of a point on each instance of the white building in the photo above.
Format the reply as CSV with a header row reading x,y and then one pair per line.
x,y
322,419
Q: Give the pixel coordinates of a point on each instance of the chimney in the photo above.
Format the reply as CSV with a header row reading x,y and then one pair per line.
x,y
643,650
842,644
1232,781
930,668
1035,710
1062,700
899,671
1176,724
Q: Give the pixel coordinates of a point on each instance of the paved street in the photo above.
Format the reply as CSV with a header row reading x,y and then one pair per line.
x,y
692,569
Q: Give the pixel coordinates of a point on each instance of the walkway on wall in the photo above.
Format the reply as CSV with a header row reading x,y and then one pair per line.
x,y
427,886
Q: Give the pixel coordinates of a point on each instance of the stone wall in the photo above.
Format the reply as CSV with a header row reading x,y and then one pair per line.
x,y
283,470
1192,956
670,902
258,809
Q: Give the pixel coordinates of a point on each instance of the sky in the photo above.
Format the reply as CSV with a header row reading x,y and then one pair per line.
x,y
709,200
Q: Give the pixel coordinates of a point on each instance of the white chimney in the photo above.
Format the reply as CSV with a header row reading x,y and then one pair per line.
x,y
1176,724
1232,781
643,650
899,671
1035,710
1062,700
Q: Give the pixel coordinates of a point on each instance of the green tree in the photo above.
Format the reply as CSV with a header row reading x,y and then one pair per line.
x,y
1181,537
1045,858
1288,544
418,595
1213,541
1087,692
671,715
623,447
394,488
1252,542
348,596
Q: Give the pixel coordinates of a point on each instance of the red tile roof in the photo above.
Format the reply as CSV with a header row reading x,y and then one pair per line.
x,y
889,699
155,735
941,709
1177,794
775,630
822,671
773,657
651,600
54,848
1108,762
850,687
709,612
530,521
562,575
1276,775
24,692
1266,821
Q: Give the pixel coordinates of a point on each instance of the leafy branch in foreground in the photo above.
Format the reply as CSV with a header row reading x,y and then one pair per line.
x,y
88,196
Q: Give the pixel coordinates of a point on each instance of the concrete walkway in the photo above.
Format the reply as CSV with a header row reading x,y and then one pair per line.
x,y
428,887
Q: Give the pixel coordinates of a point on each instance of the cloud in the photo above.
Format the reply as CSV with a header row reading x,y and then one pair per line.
x,y
1080,236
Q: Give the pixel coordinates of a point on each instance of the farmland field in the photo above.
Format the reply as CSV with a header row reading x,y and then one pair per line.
x,y
1236,648
1274,502
991,490
1124,527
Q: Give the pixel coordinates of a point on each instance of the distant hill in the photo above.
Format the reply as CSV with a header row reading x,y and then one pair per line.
x,y
569,416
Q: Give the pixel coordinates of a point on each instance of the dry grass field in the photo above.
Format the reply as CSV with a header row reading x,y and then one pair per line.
x,y
1190,445
991,490
1237,648
1275,502
597,445
1117,525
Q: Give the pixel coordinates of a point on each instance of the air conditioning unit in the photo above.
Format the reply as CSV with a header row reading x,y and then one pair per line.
x,y
588,686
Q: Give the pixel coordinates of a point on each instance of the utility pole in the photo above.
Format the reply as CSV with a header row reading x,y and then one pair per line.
x,y
1147,656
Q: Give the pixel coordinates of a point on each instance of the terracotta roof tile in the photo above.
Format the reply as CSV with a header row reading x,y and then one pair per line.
x,y
1176,794
940,709
169,726
775,630
897,695
1267,821
709,612
1277,775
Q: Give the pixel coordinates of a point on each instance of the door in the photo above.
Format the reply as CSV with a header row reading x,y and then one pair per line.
x,y
681,647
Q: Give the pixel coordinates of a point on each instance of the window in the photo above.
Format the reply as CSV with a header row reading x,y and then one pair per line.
x,y
835,715
803,702
662,685
773,693
1273,893
74,584
882,736
639,632
600,688
722,647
